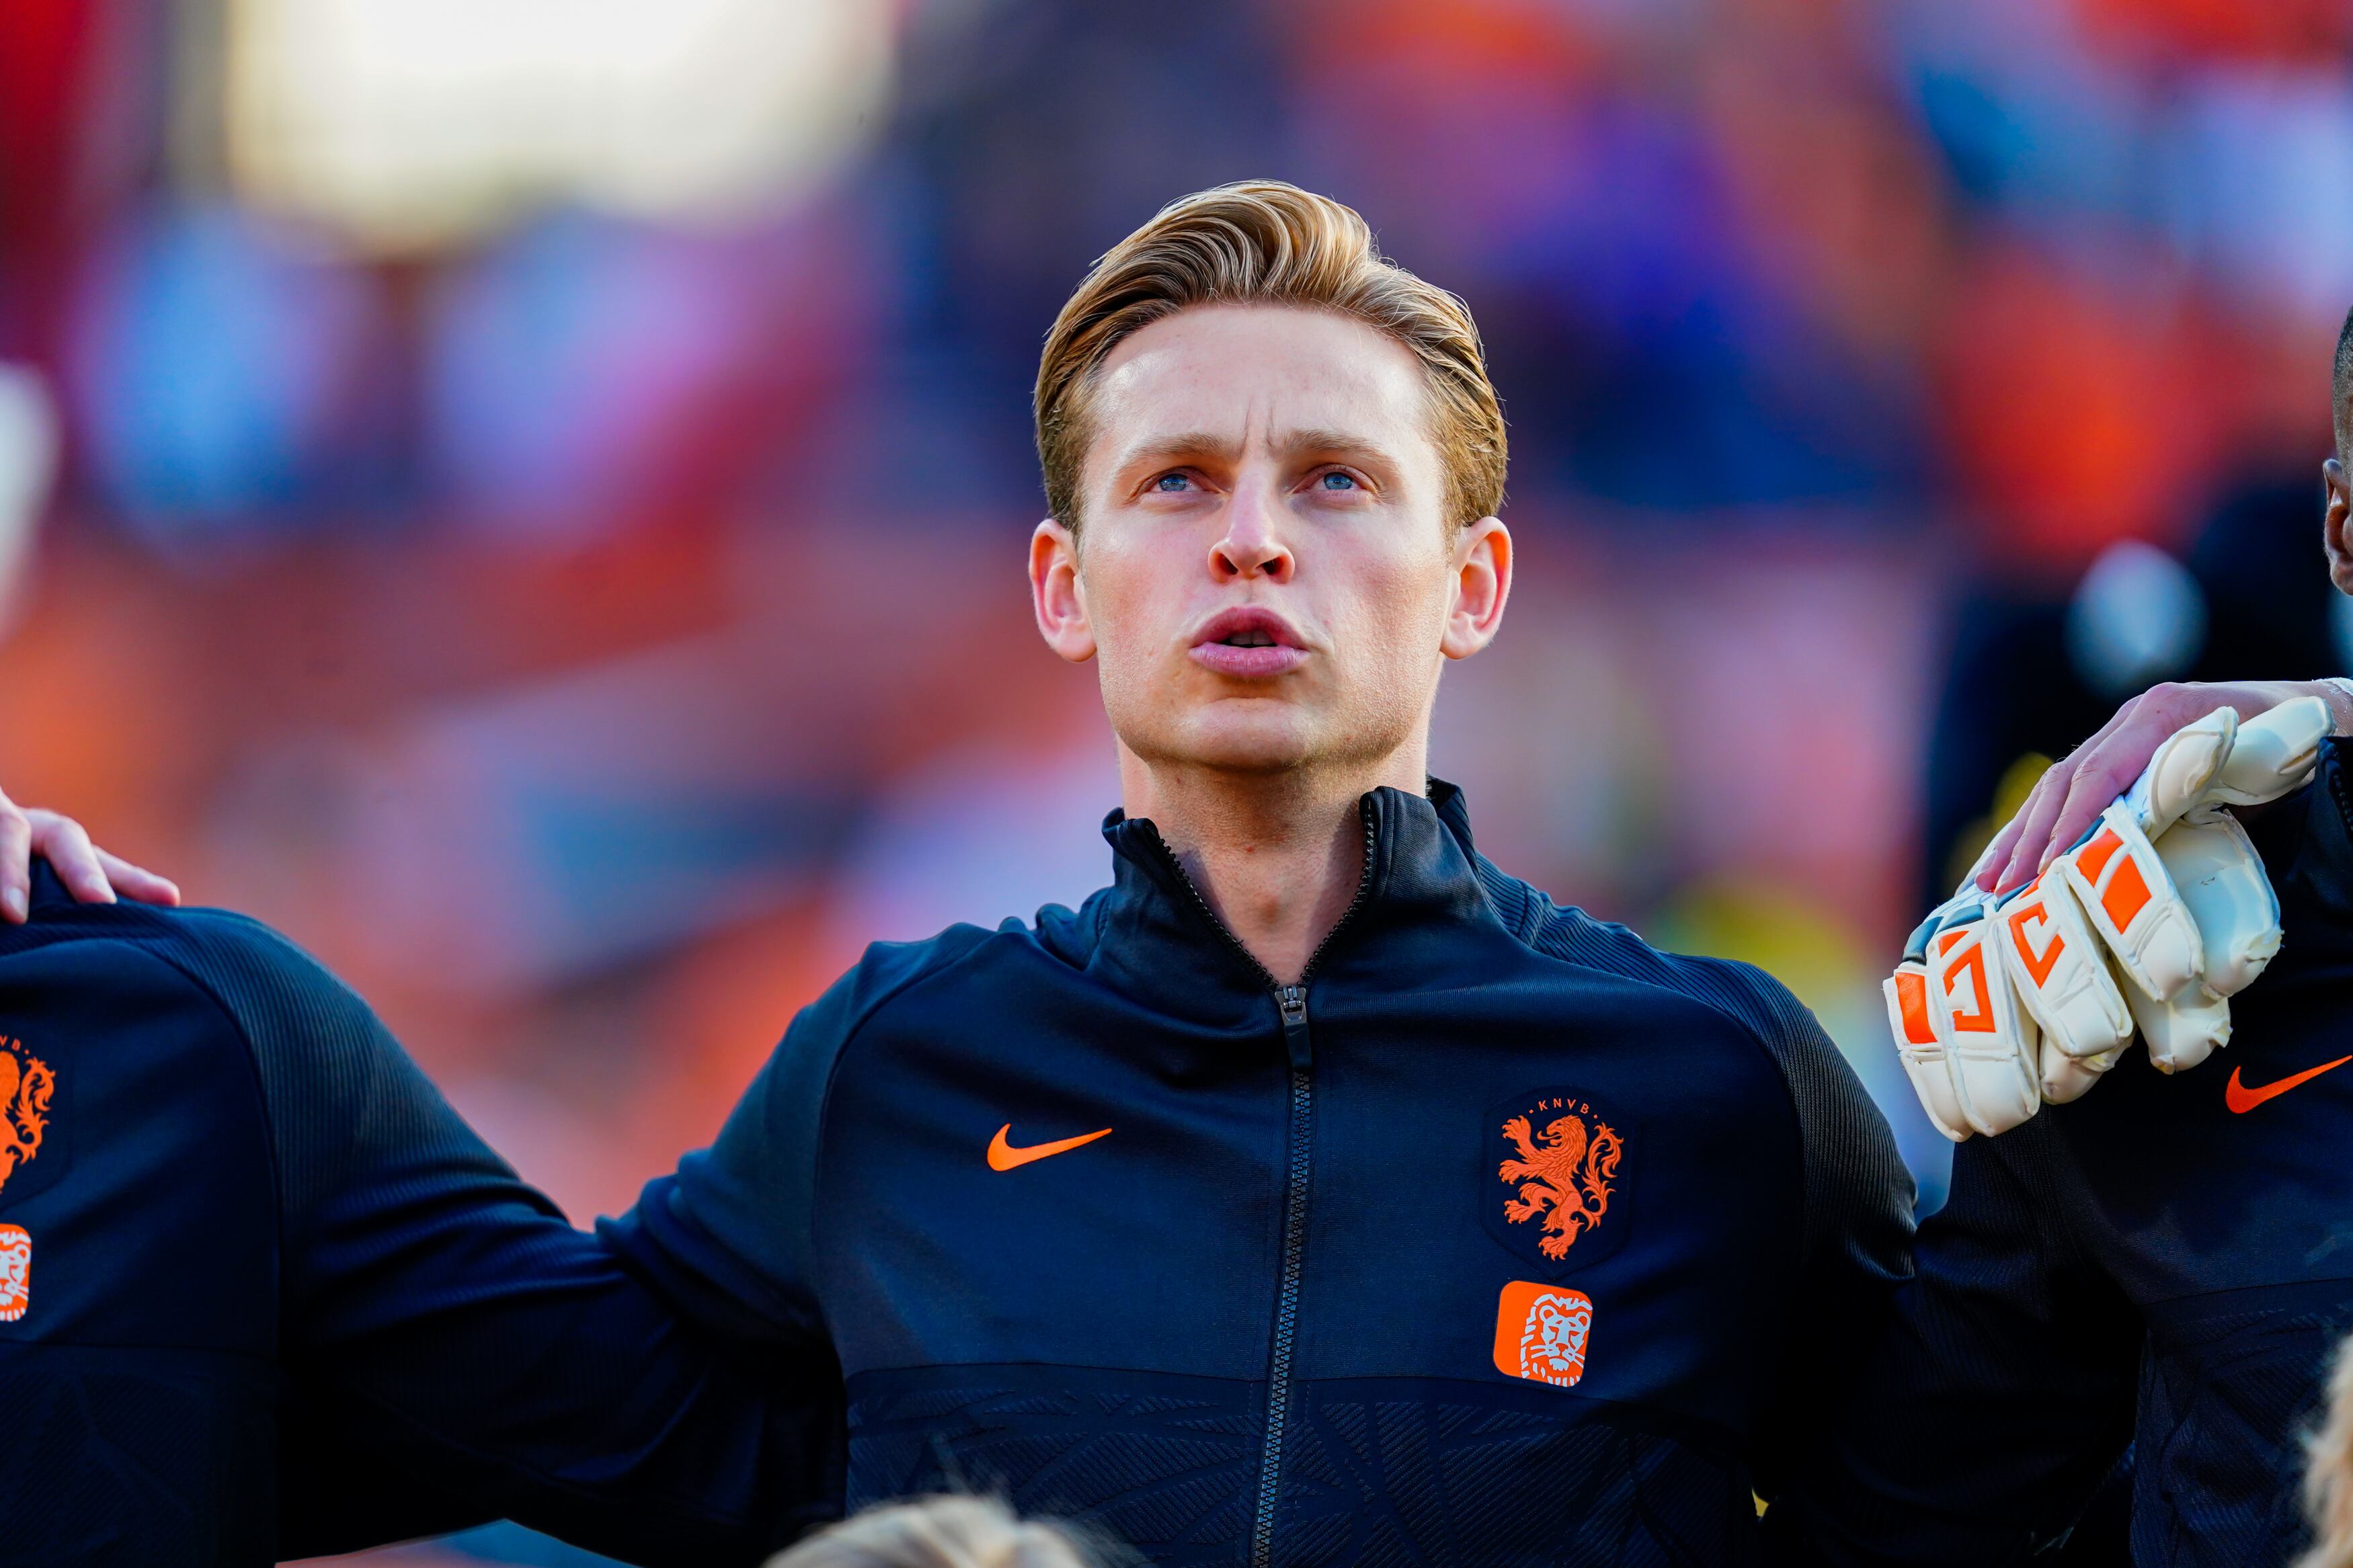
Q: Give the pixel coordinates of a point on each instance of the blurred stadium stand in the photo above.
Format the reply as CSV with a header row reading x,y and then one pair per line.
x,y
540,500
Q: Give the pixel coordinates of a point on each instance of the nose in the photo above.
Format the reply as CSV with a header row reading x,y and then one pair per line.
x,y
1252,544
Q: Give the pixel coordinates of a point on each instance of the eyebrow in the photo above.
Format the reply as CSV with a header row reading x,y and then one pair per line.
x,y
1206,443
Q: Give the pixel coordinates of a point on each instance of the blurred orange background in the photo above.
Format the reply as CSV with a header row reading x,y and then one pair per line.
x,y
531,501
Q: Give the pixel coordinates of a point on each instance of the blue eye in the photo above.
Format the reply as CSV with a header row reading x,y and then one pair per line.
x,y
1171,482
1335,481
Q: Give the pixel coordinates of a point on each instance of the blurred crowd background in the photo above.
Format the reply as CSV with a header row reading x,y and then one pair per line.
x,y
529,495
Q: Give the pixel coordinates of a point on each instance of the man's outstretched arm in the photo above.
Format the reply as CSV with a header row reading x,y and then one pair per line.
x,y
440,1315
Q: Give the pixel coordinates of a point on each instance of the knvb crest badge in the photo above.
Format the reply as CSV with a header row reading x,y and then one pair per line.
x,y
27,1086
1554,1179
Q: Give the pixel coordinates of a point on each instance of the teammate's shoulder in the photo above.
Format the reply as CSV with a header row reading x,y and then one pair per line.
x,y
2306,845
319,1051
251,966
211,946
1740,991
2314,843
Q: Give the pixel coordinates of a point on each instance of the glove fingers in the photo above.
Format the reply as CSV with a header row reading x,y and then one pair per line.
x,y
2274,753
2127,896
2066,1078
2220,879
2176,776
2183,1030
1991,1042
2061,972
1917,1048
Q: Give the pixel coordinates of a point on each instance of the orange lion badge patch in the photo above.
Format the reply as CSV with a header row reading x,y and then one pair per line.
x,y
1555,1189
16,1272
25,1087
1541,1332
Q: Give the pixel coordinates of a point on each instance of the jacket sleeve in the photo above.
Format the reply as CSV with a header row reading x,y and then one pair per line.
x,y
732,1233
1988,1404
1855,1241
451,1343
729,1232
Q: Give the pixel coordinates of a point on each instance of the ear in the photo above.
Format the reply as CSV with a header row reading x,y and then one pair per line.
x,y
1055,593
1482,581
2332,526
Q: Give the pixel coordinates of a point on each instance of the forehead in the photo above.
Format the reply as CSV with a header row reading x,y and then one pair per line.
x,y
1259,370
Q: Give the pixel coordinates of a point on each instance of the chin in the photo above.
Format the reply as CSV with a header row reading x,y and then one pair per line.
x,y
1262,738
1244,756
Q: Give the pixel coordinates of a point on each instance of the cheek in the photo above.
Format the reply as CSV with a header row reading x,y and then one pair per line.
x,y
1129,603
1401,603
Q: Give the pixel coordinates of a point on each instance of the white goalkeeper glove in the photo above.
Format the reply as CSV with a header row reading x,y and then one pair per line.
x,y
2001,1004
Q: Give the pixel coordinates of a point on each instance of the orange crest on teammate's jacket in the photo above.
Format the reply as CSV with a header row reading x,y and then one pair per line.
x,y
16,1272
25,1085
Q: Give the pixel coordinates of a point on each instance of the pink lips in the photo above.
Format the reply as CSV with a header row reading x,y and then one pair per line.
x,y
1248,642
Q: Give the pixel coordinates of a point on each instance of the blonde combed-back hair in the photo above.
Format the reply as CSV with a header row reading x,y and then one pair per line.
x,y
940,1532
1262,242
2329,1482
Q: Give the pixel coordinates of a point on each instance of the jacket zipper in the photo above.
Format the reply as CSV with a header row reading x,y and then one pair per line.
x,y
1292,1000
1290,1004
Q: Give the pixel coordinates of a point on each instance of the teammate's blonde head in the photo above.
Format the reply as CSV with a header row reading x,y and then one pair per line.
x,y
939,1532
2329,1482
1261,242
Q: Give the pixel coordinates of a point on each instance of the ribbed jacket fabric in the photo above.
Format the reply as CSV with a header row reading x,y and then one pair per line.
x,y
282,1302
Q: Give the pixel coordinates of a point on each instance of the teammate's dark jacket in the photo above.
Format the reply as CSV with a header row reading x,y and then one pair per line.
x,y
2167,1262
1503,1238
250,1260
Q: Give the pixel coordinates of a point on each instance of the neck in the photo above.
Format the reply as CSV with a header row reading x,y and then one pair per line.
x,y
1278,855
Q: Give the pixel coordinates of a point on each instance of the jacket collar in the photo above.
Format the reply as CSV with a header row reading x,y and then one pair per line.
x,y
1159,937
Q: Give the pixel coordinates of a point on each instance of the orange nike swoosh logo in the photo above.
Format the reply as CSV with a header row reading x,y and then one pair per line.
x,y
2241,1099
1004,1156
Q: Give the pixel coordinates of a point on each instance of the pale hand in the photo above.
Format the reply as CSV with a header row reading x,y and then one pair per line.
x,y
89,873
2079,786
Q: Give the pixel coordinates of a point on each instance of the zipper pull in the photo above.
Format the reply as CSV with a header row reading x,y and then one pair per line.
x,y
1292,1000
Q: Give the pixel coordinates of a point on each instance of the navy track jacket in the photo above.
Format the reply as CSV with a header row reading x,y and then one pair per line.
x,y
2166,1263
263,1294
1500,1240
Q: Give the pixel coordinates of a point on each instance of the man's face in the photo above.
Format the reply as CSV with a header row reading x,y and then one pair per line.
x,y
2336,523
1268,579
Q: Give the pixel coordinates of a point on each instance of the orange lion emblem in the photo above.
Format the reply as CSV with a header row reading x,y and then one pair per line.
x,y
25,1085
1564,1177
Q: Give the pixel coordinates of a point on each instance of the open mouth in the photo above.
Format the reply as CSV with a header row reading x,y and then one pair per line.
x,y
1248,642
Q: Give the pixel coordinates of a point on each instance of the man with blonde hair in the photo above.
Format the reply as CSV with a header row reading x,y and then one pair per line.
x,y
1317,1191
